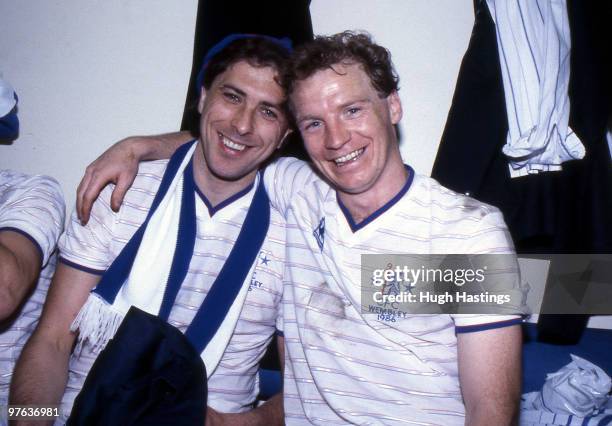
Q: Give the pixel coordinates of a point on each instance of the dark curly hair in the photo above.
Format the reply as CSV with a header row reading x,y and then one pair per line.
x,y
258,51
347,47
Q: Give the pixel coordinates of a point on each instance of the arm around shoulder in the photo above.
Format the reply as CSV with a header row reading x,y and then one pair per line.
x,y
119,165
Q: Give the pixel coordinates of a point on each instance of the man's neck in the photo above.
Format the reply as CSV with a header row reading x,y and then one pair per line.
x,y
215,189
362,205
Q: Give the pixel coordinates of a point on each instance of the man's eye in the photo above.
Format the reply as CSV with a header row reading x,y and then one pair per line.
x,y
268,113
353,110
313,125
232,97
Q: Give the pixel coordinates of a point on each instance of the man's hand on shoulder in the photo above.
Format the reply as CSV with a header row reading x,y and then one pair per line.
x,y
119,165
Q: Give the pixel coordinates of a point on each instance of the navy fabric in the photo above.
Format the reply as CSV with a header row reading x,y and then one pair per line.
x,y
9,125
148,374
184,243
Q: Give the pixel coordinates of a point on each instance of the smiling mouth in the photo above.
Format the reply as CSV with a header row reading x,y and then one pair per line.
x,y
231,144
351,156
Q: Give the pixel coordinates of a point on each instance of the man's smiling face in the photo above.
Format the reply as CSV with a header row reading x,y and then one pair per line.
x,y
347,128
242,121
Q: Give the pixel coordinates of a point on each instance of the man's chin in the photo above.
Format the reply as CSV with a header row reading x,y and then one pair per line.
x,y
231,176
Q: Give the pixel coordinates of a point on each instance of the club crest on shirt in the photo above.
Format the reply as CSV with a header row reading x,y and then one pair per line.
x,y
319,233
263,260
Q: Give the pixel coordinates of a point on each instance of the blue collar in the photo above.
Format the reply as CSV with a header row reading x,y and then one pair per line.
x,y
214,209
357,226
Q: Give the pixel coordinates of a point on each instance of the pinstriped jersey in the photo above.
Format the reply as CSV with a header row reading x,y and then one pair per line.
x,y
34,207
234,385
341,366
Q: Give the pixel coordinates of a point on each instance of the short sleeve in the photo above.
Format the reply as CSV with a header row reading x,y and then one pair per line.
x,y
87,247
470,323
34,206
490,236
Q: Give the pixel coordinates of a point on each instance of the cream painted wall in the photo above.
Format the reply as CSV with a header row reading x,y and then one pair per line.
x,y
90,72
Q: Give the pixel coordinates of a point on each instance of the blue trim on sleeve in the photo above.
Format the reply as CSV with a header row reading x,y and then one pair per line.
x,y
357,226
80,267
280,333
487,326
29,237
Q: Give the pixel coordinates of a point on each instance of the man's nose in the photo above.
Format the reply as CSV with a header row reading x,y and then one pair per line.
x,y
243,120
337,135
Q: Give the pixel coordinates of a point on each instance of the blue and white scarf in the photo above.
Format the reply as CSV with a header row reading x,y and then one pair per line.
x,y
150,269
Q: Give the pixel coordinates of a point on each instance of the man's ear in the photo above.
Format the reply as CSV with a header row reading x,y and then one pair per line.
x,y
202,99
395,107
284,138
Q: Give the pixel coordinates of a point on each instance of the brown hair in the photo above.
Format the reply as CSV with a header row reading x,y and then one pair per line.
x,y
258,51
346,47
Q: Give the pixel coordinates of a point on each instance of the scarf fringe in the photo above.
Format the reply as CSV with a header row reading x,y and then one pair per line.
x,y
97,322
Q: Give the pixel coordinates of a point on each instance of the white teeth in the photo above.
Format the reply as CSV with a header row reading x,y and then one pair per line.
x,y
231,144
349,157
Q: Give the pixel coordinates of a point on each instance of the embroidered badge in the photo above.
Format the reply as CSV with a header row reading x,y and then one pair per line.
x,y
319,233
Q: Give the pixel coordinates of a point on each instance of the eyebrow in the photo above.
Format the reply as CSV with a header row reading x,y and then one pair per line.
x,y
272,105
306,118
234,88
341,106
242,93
357,101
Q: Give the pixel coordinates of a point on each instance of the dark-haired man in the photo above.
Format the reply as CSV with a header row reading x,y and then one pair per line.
x,y
193,206
343,366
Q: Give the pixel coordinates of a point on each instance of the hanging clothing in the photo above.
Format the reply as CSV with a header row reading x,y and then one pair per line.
x,y
533,40
564,212
567,211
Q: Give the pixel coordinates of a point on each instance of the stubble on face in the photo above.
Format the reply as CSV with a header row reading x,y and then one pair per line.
x,y
242,123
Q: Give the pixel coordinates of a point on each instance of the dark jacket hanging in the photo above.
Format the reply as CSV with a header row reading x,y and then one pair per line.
x,y
554,212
